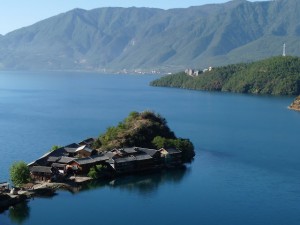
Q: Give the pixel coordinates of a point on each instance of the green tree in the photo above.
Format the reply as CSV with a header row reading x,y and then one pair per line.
x,y
184,145
187,148
93,173
19,173
55,147
96,171
159,142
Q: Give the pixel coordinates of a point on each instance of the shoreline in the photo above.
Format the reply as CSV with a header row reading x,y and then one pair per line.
x,y
73,184
291,107
40,189
71,166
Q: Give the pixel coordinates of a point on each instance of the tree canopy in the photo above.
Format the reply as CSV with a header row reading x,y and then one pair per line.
x,y
54,148
19,173
144,129
183,145
273,76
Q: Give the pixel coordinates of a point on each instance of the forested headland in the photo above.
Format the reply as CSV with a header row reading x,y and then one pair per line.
x,y
273,76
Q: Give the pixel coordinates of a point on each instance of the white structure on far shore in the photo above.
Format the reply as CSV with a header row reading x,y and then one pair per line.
x,y
196,73
284,50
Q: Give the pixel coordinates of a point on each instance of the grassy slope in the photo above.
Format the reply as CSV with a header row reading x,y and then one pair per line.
x,y
146,129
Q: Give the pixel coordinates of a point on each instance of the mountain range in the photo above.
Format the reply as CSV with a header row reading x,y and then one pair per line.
x,y
111,39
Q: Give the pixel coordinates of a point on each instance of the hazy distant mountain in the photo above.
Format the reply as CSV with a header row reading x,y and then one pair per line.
x,y
132,38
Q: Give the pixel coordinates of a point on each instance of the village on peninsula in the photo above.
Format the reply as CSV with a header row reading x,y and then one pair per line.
x,y
75,161
142,142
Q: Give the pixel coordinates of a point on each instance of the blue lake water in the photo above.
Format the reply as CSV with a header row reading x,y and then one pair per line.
x,y
246,171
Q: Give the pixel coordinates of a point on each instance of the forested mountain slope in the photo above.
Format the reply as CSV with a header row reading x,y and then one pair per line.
x,y
146,38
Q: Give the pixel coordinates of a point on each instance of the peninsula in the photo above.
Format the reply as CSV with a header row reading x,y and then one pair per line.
x,y
273,76
141,142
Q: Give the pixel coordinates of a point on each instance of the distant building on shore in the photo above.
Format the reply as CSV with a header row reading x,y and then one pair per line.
x,y
207,69
191,72
196,73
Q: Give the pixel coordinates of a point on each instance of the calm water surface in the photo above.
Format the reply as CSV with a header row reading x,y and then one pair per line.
x,y
247,168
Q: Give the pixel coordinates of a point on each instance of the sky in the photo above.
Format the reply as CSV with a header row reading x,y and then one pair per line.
x,y
15,14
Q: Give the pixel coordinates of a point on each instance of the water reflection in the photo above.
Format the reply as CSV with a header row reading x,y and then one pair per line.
x,y
19,213
143,184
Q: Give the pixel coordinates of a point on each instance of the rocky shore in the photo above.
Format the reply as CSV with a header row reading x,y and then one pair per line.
x,y
7,200
12,198
296,104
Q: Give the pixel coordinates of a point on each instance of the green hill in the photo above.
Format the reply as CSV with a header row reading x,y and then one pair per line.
x,y
147,130
274,76
107,39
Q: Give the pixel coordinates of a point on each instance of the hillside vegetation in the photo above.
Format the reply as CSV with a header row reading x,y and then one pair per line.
x,y
107,39
274,76
146,129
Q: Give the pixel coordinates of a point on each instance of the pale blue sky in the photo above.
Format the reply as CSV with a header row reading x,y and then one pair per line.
x,y
15,14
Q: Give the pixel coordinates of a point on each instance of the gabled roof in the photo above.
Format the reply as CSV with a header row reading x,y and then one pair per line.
x,y
73,145
111,161
142,157
130,150
91,160
31,163
70,150
41,169
87,141
110,154
53,159
100,158
149,151
66,160
85,148
42,161
125,159
58,165
58,152
85,161
173,151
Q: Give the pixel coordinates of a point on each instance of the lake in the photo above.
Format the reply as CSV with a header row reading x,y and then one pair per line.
x,y
246,171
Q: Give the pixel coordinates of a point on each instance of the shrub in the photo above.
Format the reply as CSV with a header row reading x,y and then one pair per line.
x,y
19,173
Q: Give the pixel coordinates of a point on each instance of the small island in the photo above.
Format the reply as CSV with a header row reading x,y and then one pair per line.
x,y
141,142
